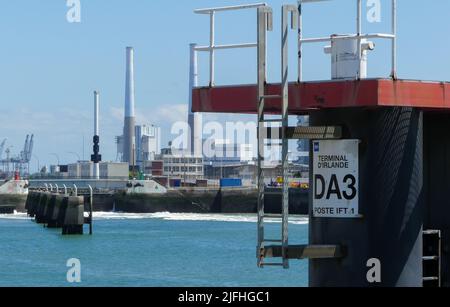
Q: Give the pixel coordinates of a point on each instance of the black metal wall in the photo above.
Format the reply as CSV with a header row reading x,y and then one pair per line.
x,y
391,200
437,183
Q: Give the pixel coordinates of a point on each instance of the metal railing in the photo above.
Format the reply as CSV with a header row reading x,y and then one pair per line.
x,y
359,35
212,47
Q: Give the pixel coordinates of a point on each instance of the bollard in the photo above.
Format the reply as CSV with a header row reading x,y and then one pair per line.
x,y
30,198
52,217
49,208
34,204
74,216
41,208
61,214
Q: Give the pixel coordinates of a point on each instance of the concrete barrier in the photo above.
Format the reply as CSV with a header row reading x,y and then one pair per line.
x,y
58,211
49,208
32,202
30,199
74,217
41,207
53,220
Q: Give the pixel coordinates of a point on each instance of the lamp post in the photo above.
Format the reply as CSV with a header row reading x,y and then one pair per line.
x,y
38,163
56,156
75,154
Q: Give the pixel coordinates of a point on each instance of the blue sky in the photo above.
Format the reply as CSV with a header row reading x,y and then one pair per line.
x,y
49,67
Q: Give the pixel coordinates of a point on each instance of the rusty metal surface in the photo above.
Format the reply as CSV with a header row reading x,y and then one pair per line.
x,y
307,96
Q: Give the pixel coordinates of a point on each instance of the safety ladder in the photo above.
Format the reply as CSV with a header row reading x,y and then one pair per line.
x,y
432,246
274,247
264,25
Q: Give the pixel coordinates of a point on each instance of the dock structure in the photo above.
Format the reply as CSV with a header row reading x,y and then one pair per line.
x,y
378,159
64,209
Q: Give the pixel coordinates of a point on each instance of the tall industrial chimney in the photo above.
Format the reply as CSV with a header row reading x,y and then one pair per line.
x,y
96,157
194,119
130,120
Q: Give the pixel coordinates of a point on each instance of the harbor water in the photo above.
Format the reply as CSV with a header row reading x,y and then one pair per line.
x,y
154,250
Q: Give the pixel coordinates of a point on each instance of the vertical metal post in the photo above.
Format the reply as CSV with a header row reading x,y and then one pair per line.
x,y
300,36
440,259
194,119
264,25
75,190
288,11
51,188
96,156
91,204
212,51
359,32
65,189
394,40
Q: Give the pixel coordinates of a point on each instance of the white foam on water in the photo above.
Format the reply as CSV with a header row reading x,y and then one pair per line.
x,y
15,216
167,216
237,218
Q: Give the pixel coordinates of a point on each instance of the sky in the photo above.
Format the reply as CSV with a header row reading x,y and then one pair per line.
x,y
50,67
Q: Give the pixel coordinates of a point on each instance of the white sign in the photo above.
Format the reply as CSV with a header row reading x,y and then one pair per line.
x,y
336,178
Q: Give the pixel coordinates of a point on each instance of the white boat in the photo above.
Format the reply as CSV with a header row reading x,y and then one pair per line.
x,y
13,195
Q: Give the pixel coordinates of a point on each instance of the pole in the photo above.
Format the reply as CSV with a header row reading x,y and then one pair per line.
x,y
56,156
212,52
359,31
96,158
91,204
264,25
300,36
394,40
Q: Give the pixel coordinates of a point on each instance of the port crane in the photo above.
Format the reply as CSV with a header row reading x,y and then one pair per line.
x,y
2,147
20,163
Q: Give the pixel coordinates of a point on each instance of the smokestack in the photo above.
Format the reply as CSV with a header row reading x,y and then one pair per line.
x,y
130,121
96,157
194,119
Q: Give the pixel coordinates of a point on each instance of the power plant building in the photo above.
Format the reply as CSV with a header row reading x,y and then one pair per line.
x,y
130,117
148,142
138,143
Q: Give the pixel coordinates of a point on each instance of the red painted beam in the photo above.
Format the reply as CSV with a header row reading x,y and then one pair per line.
x,y
328,94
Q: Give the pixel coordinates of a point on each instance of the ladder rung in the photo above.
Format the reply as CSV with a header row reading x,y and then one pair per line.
x,y
430,278
271,97
429,258
431,232
273,193
272,264
271,121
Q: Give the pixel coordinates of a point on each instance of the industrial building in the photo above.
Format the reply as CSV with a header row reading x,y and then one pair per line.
x,y
85,170
189,167
225,152
138,143
147,144
129,145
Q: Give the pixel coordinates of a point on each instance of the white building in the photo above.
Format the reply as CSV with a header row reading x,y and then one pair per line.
x,y
148,144
82,169
225,152
108,170
187,167
114,170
